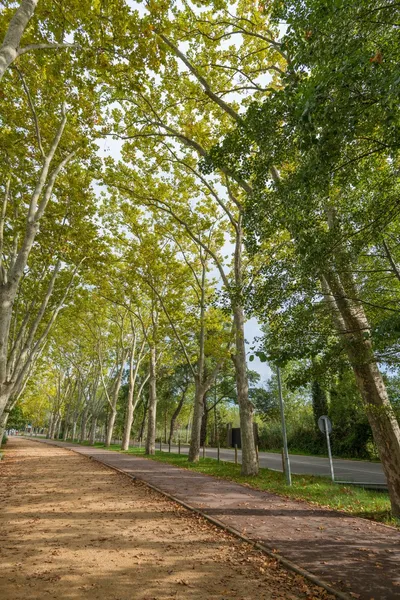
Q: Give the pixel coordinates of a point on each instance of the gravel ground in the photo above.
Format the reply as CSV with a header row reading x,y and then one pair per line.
x,y
71,528
357,556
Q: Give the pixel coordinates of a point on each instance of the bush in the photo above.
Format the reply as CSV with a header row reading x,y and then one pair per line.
x,y
348,441
301,435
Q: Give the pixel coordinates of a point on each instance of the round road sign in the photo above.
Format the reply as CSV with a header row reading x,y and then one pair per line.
x,y
324,424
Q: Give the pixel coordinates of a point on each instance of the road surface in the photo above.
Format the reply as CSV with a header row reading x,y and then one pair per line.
x,y
345,470
353,471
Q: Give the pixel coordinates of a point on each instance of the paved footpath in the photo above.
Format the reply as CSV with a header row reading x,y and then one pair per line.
x,y
352,554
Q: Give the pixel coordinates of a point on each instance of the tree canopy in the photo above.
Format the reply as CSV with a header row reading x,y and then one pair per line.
x,y
171,170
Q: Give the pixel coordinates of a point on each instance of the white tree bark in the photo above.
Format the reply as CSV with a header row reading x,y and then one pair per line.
x,y
114,400
132,400
13,369
10,47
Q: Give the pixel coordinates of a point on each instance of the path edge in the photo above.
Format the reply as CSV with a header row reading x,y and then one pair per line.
x,y
286,563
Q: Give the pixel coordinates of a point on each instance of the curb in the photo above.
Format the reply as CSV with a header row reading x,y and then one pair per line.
x,y
286,563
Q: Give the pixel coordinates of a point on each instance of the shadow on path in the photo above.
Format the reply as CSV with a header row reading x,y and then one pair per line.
x,y
350,553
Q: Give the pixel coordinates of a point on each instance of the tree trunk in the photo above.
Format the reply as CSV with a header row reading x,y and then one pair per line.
x,y
249,456
152,411
176,413
73,434
92,437
59,427
126,435
110,426
114,400
204,422
131,404
384,425
6,303
66,427
198,408
3,424
55,426
82,437
50,427
141,430
200,390
353,326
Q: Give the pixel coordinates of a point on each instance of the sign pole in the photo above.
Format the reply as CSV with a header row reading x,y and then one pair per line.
x,y
328,442
325,426
288,473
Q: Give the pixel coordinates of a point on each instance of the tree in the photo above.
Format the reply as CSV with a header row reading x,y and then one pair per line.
x,y
160,116
320,184
17,419
319,402
37,239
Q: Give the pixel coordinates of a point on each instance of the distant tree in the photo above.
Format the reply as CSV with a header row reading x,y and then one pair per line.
x,y
17,419
319,402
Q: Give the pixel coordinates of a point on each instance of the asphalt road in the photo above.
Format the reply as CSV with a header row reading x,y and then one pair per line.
x,y
345,470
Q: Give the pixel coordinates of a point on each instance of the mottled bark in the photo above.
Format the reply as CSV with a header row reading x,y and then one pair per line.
x,y
11,43
204,422
249,455
58,433
126,435
110,426
54,429
14,373
132,402
142,426
114,400
3,424
354,328
198,408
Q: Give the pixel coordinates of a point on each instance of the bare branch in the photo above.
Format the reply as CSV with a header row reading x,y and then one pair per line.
x,y
204,83
33,111
31,47
178,337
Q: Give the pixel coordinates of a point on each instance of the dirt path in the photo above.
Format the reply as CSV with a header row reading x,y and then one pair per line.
x,y
354,555
71,528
